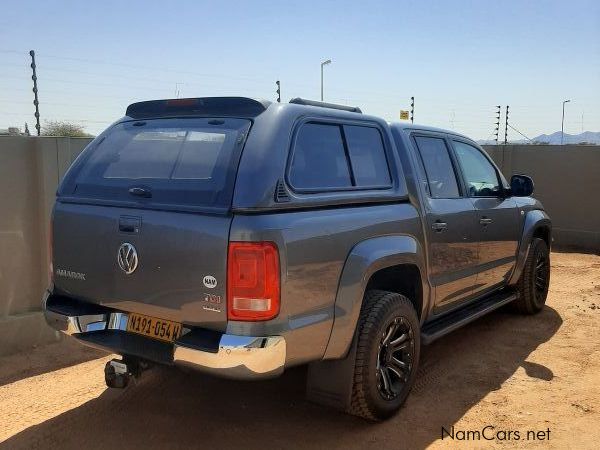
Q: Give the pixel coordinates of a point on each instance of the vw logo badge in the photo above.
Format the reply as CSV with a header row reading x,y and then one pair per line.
x,y
127,258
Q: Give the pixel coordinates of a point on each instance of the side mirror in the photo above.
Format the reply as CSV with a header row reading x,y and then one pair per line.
x,y
521,186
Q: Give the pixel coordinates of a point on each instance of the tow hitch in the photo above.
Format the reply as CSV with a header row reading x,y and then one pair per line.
x,y
117,373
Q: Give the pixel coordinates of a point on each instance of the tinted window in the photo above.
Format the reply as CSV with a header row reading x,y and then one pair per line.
x,y
181,161
367,155
165,154
480,175
438,167
319,159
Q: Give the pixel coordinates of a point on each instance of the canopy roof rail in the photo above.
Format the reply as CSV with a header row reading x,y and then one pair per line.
x,y
302,101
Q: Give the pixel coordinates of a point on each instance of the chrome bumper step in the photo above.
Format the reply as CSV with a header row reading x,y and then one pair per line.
x,y
224,355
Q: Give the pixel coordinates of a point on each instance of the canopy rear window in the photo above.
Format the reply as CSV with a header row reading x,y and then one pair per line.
x,y
163,161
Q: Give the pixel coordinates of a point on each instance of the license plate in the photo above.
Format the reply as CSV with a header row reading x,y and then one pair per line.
x,y
163,330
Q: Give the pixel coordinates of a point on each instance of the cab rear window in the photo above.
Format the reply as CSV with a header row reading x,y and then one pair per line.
x,y
163,161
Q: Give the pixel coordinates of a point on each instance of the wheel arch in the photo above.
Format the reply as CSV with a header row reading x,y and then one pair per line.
x,y
537,224
405,279
543,231
371,264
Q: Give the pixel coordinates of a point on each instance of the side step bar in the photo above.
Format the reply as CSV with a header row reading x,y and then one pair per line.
x,y
447,323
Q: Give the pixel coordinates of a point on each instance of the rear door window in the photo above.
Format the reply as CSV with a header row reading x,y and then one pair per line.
x,y
441,178
177,161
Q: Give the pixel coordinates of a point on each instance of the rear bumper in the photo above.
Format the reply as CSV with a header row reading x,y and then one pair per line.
x,y
225,355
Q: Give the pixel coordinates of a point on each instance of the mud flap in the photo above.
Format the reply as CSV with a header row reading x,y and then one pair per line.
x,y
329,383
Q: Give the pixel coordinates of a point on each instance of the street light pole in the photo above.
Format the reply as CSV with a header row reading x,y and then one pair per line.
x,y
324,63
562,125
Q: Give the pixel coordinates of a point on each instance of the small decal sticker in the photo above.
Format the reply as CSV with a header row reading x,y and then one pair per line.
x,y
210,282
212,298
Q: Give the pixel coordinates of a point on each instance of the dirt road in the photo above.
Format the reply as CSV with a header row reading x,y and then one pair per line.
x,y
520,374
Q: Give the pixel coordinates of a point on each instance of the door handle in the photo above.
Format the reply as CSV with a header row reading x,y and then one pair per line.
x,y
140,191
439,226
485,221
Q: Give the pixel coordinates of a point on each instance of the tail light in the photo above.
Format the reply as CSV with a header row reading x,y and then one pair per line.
x,y
252,281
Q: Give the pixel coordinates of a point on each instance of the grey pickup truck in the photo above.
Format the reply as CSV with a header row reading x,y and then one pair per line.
x,y
242,237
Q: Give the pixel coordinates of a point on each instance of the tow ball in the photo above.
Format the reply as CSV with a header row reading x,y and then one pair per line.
x,y
117,373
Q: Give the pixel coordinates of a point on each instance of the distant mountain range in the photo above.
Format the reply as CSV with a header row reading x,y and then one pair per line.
x,y
589,137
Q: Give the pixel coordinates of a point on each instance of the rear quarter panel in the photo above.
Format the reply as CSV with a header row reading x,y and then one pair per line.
x,y
313,248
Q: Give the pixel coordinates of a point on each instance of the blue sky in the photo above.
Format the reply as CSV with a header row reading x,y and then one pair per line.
x,y
458,59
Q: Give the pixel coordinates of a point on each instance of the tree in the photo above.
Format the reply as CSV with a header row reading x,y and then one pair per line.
x,y
64,129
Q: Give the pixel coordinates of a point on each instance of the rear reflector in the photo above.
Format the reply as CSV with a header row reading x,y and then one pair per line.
x,y
251,304
252,281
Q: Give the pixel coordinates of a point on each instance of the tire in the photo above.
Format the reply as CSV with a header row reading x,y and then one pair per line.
x,y
380,384
535,279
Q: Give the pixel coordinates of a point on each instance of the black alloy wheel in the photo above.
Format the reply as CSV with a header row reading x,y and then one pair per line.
x,y
395,358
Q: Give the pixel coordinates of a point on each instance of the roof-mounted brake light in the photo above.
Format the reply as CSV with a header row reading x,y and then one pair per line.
x,y
241,107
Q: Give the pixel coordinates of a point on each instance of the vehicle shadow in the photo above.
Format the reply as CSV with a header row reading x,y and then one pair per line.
x,y
172,409
48,358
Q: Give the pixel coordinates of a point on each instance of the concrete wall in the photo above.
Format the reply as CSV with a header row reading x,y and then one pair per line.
x,y
30,169
567,182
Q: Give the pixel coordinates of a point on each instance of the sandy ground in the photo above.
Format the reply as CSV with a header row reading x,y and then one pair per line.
x,y
513,373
